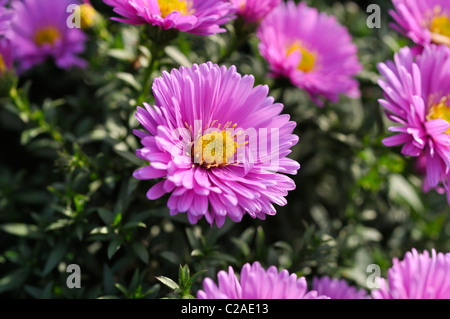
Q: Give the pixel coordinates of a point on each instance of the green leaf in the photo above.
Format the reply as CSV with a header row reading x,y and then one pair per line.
x,y
106,216
129,79
47,292
13,280
21,230
242,245
129,156
34,292
195,276
141,251
177,56
284,246
260,240
192,238
197,252
121,54
54,258
60,223
182,274
30,134
108,280
402,190
134,224
117,220
168,282
170,256
121,288
114,246
134,284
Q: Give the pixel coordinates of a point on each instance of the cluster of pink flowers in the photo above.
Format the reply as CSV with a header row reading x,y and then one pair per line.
x,y
217,187
417,276
206,138
416,88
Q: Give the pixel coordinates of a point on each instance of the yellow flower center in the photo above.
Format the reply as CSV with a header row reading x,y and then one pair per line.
x,y
46,35
308,60
87,15
2,65
216,148
168,6
242,5
440,110
441,25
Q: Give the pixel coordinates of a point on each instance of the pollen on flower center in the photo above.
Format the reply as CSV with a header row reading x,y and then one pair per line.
x,y
168,6
47,35
308,60
216,148
440,110
441,25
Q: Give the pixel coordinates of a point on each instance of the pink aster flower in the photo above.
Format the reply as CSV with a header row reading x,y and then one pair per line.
x,y
202,17
39,31
257,283
5,17
252,11
423,21
311,49
416,96
420,166
219,143
337,289
417,276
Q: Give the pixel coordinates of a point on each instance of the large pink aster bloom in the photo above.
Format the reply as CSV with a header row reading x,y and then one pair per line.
x,y
39,31
5,17
252,11
417,276
257,283
311,49
416,96
423,21
202,17
337,289
219,143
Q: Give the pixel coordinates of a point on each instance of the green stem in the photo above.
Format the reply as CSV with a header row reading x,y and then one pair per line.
x,y
233,47
153,64
21,105
24,106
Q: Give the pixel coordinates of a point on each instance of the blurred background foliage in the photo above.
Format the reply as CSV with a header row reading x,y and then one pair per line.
x,y
67,195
